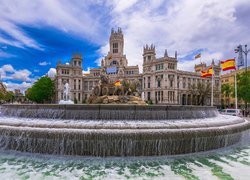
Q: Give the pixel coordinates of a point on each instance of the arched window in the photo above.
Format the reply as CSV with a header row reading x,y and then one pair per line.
x,y
114,63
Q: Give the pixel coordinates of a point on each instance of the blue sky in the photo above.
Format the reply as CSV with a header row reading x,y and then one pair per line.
x,y
35,34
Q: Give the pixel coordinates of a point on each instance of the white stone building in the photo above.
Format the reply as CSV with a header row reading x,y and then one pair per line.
x,y
161,82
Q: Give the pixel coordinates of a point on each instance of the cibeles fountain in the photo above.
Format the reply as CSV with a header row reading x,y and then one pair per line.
x,y
116,128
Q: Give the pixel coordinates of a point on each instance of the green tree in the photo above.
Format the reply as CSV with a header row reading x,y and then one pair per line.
x,y
6,96
9,96
1,95
243,84
42,90
226,90
203,90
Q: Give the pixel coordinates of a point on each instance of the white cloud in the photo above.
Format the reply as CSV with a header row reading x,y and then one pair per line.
x,y
44,63
23,75
86,72
12,86
52,72
36,70
8,72
16,33
183,25
5,54
78,18
8,68
121,5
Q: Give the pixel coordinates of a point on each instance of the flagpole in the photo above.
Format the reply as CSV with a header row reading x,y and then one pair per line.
x,y
235,86
212,92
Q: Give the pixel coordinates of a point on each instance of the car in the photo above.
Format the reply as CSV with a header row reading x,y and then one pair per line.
x,y
233,112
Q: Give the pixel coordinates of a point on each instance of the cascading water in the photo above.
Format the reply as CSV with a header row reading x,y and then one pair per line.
x,y
124,130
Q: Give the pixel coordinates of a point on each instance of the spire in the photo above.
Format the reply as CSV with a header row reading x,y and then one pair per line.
x,y
175,55
102,63
119,30
166,53
212,61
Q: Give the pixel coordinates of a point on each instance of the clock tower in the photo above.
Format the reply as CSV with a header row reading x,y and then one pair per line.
x,y
115,62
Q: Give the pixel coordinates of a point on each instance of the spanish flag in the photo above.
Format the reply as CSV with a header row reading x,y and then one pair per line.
x,y
228,64
197,56
207,73
117,83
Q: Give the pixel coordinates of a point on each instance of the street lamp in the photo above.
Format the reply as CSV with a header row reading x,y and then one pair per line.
x,y
240,50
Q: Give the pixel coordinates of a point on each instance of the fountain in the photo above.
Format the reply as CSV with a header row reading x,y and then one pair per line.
x,y
116,130
113,129
66,95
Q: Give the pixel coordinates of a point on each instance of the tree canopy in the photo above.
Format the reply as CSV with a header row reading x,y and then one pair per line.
x,y
201,89
243,82
6,96
42,90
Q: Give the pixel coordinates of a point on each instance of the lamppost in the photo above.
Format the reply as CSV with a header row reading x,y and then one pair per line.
x,y
240,50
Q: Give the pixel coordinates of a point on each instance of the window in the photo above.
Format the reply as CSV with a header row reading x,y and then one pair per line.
x,y
158,83
149,98
148,82
74,84
171,66
171,96
79,84
65,71
158,67
129,72
171,83
171,80
149,58
85,86
114,63
79,96
178,81
115,47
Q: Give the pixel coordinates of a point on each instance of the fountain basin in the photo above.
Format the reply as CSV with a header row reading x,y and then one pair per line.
x,y
117,137
108,112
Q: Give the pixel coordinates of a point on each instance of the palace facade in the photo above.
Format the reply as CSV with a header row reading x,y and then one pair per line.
x,y
161,81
